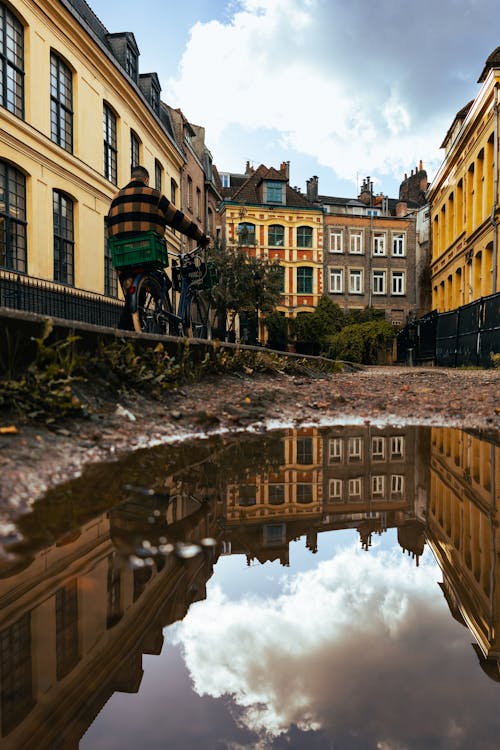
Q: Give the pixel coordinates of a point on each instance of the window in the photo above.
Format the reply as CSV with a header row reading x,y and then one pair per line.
x,y
379,244
276,494
378,486
336,280
11,62
158,176
378,448
398,244
246,233
225,180
248,495
135,146
372,212
281,272
335,450
355,448
397,485
304,280
354,488
336,241
131,63
304,237
274,192
276,235
379,282
356,282
356,243
61,103
155,99
63,238
173,191
198,203
110,275
304,493
398,282
210,218
189,197
304,451
110,146
397,447
335,489
13,255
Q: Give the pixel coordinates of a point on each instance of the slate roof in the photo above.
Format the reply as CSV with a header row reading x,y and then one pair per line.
x,y
459,117
493,61
247,190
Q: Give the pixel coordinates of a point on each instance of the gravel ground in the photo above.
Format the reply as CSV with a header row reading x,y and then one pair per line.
x,y
34,459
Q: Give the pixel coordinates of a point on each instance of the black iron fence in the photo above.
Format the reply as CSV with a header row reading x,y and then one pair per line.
x,y
46,298
467,336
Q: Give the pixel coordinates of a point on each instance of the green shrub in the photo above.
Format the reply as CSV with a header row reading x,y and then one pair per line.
x,y
362,342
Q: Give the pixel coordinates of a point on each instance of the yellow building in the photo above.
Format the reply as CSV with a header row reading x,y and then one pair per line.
x,y
267,218
75,114
464,201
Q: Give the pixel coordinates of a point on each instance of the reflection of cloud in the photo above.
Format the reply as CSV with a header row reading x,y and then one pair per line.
x,y
323,75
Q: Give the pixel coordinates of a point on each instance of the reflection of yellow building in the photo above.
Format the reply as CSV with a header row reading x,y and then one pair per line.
x,y
464,201
75,113
462,529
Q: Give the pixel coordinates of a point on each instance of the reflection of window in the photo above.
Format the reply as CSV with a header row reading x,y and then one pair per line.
x,y
304,450
67,645
378,486
335,489
276,235
114,608
275,533
304,280
397,446
248,495
304,236
276,494
335,450
354,488
246,233
61,103
304,493
378,448
11,62
141,578
397,484
12,219
64,261
354,448
16,670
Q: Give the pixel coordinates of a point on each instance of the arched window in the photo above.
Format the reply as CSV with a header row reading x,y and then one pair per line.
x,y
246,233
64,238
61,103
11,62
304,237
110,144
173,190
276,235
13,254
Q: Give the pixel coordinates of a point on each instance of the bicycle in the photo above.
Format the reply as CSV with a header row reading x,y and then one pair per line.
x,y
148,296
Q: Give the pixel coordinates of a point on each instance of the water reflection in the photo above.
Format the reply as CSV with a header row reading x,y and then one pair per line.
x,y
105,563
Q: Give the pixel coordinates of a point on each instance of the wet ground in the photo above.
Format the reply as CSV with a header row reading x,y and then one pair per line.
x,y
313,587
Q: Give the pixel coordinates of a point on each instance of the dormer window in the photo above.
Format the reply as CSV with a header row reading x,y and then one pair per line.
x,y
274,192
131,63
155,99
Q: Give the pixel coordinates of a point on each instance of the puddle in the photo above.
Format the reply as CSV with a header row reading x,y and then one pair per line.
x,y
308,588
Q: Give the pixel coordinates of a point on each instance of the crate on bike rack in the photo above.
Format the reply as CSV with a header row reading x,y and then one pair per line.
x,y
149,249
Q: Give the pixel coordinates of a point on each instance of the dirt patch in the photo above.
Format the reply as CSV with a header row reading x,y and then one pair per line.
x,y
33,458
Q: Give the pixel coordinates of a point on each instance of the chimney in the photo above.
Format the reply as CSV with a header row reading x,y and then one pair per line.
x,y
285,168
312,189
401,209
248,169
420,167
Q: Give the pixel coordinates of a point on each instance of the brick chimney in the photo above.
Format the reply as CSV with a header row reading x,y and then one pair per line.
x,y
285,168
312,189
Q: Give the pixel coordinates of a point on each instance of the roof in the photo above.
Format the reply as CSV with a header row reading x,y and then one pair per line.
x,y
247,190
459,118
493,61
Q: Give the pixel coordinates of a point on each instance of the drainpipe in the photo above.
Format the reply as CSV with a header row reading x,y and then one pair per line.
x,y
495,192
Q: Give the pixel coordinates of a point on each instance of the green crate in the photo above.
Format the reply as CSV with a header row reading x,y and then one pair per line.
x,y
148,249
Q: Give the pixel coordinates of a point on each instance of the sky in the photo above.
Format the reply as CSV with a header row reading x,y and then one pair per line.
x,y
341,89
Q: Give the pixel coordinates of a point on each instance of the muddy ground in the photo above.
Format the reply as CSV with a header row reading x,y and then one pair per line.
x,y
34,458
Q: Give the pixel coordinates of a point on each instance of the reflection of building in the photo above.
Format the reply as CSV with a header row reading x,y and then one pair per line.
x,y
462,530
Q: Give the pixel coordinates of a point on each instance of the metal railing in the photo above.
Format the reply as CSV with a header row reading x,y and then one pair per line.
x,y
55,300
466,336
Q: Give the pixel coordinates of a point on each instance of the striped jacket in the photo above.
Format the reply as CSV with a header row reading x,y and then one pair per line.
x,y
138,208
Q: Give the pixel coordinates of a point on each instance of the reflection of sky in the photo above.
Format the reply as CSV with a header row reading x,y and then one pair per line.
x,y
344,649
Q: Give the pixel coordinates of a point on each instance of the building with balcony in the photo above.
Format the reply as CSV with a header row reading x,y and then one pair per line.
x,y
464,201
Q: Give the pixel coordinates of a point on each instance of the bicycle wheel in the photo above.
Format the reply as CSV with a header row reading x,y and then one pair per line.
x,y
201,316
147,319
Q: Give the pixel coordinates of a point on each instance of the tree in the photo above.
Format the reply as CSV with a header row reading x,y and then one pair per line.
x,y
312,331
362,342
277,331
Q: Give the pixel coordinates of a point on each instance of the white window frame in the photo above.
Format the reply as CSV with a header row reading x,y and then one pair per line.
x,y
398,245
378,448
355,273
379,275
356,243
378,485
355,487
336,280
397,447
335,450
336,241
398,283
335,490
355,448
397,485
379,244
